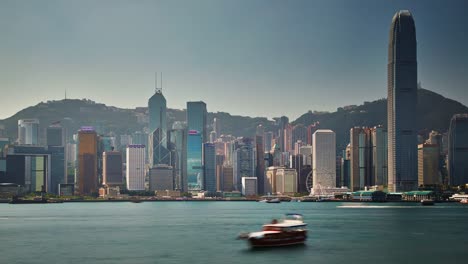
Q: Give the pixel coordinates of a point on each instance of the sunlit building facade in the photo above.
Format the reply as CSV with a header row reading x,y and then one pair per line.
x,y
324,159
87,161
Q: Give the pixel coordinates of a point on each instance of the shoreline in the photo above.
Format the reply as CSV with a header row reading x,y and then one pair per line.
x,y
217,200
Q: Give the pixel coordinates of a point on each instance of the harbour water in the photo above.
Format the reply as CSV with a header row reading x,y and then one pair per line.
x,y
205,232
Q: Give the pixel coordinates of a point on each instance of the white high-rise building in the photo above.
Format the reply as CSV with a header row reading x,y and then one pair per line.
x,y
136,167
324,159
28,131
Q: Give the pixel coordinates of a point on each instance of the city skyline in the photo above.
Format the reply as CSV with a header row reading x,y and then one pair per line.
x,y
208,71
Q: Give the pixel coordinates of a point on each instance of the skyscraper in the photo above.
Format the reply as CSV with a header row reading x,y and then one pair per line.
x,y
157,149
197,135
194,161
428,163
401,104
458,150
361,158
196,118
135,167
286,181
178,146
161,178
379,155
260,164
55,135
28,131
282,122
87,161
209,167
243,161
267,139
307,151
228,178
288,138
112,168
299,133
324,159
217,126
310,132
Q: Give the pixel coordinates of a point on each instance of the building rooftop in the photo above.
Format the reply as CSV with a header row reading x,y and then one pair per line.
x,y
418,193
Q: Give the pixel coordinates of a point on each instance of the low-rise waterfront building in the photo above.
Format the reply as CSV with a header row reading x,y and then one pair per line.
x,y
418,195
370,196
249,186
161,178
66,189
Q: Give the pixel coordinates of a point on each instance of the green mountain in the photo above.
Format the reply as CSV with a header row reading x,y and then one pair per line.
x,y
434,112
109,120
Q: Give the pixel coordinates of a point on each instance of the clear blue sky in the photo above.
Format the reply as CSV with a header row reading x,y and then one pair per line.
x,y
246,57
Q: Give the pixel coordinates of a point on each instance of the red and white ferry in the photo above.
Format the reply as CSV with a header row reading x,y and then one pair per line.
x,y
291,230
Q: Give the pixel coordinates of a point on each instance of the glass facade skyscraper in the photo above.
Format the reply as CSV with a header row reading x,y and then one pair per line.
x,y
361,158
197,135
244,161
178,148
157,141
209,166
55,135
158,151
458,150
379,155
196,118
401,104
194,161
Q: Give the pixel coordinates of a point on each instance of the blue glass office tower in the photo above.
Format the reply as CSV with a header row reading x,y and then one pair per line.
x,y
157,141
209,166
458,150
196,118
197,135
194,161
401,104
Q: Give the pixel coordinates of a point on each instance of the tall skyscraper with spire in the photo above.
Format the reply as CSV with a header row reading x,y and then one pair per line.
x,y
157,149
401,104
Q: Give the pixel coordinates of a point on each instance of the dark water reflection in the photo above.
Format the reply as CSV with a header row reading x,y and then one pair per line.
x,y
194,232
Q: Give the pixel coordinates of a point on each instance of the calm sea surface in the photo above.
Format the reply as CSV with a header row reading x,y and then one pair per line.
x,y
205,232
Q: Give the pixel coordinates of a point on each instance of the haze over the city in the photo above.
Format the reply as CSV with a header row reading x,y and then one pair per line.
x,y
257,58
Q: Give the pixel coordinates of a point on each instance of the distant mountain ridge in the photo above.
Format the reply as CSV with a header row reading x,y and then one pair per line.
x,y
434,113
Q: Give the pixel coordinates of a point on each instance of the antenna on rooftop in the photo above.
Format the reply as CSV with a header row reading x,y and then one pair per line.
x,y
156,89
155,82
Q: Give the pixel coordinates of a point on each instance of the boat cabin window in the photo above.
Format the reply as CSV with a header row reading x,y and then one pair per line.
x,y
271,228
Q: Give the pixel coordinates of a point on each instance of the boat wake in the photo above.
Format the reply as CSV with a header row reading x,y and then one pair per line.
x,y
376,206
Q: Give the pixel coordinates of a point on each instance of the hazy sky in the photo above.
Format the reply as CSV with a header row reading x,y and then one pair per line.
x,y
246,57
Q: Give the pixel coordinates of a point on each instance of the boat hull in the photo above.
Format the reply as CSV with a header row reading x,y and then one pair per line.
x,y
427,202
280,240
